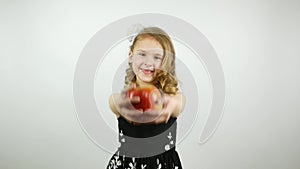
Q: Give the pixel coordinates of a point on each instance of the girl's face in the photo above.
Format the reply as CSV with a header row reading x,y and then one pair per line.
x,y
146,58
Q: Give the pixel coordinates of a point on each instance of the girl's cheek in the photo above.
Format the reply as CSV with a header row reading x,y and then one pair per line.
x,y
138,64
157,65
137,61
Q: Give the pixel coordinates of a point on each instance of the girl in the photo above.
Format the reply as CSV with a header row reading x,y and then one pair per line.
x,y
148,138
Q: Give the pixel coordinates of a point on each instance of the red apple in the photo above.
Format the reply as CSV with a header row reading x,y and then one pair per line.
x,y
150,97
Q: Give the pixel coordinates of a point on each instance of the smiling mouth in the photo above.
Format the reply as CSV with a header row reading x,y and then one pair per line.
x,y
147,71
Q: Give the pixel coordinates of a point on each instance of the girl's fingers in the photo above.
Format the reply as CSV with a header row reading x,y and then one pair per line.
x,y
128,102
155,117
152,114
163,118
168,115
133,85
166,101
132,115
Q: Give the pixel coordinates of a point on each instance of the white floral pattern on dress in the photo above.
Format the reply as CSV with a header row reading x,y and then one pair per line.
x,y
132,164
121,136
143,166
170,136
158,164
167,146
115,163
119,161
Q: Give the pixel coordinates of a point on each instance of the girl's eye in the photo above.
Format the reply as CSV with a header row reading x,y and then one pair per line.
x,y
141,54
157,58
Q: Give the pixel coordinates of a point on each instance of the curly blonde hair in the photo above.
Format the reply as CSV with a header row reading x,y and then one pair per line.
x,y
165,78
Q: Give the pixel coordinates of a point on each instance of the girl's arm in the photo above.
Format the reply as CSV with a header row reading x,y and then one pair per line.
x,y
173,106
112,104
122,106
179,103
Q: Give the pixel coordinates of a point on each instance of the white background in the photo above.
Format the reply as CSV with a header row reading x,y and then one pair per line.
x,y
258,46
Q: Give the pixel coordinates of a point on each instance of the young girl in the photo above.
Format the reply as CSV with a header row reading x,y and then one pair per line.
x,y
148,138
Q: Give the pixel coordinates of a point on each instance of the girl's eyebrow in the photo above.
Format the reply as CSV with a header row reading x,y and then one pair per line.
x,y
156,53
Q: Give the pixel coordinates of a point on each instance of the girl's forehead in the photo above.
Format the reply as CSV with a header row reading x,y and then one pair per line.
x,y
147,43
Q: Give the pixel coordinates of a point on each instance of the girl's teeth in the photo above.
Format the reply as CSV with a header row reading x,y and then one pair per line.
x,y
145,71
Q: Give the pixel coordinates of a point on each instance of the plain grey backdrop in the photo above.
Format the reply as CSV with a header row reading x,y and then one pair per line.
x,y
257,43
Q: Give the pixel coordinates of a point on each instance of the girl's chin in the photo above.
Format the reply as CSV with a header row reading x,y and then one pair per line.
x,y
145,79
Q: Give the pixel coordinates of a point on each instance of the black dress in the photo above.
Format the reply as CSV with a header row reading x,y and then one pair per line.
x,y
146,146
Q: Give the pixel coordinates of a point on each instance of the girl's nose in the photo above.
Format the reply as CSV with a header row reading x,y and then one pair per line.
x,y
148,65
149,61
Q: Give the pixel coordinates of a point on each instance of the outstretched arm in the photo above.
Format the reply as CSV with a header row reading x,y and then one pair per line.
x,y
121,105
173,106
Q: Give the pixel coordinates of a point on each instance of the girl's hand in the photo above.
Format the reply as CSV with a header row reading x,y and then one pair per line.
x,y
173,106
122,105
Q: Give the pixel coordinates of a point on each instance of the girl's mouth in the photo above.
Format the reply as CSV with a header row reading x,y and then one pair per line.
x,y
147,71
